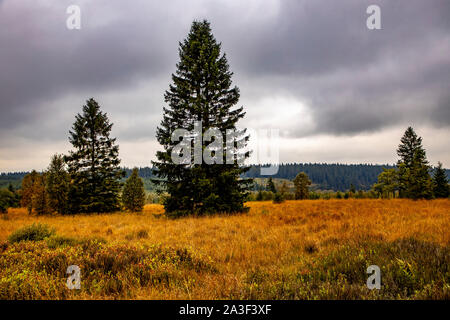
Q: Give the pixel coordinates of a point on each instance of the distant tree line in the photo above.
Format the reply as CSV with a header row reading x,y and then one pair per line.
x,y
337,177
323,176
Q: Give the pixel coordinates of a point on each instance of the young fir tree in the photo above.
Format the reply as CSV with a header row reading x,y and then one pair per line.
x,y
133,194
441,187
271,186
58,181
94,165
301,183
202,91
259,196
414,177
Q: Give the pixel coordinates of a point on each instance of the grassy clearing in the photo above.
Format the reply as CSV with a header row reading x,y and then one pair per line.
x,y
294,250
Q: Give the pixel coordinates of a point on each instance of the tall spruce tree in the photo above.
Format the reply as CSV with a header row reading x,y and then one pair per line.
x,y
441,187
133,194
58,181
201,91
94,164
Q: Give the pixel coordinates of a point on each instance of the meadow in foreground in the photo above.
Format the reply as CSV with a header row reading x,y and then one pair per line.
x,y
312,249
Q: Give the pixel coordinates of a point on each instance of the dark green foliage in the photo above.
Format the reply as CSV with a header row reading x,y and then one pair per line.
x,y
58,181
8,199
414,177
201,91
94,165
352,188
302,183
441,187
278,198
411,178
259,196
410,142
271,186
324,176
388,183
133,194
34,232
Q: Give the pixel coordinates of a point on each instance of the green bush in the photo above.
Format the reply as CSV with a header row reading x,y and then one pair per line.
x,y
278,198
7,199
34,232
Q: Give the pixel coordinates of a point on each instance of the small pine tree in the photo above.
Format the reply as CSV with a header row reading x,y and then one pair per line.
x,y
278,198
259,196
414,177
301,183
440,182
133,195
271,186
58,181
94,164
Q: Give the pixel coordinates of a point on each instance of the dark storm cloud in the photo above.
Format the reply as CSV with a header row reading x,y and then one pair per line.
x,y
352,79
355,79
42,60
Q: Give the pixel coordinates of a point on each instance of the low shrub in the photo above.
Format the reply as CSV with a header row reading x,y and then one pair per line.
x,y
34,232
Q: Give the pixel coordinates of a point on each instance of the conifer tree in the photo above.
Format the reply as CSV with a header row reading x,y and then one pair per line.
x,y
133,194
94,164
202,91
441,187
259,196
410,142
414,177
302,183
57,184
271,186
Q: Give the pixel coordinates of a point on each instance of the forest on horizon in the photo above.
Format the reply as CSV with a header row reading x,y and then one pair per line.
x,y
324,176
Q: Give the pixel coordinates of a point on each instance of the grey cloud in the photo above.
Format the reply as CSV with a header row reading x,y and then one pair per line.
x,y
352,79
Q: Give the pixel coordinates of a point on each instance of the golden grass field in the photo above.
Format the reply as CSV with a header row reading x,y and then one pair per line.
x,y
310,249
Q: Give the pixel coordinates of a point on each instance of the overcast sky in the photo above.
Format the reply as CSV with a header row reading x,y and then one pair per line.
x,y
337,91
